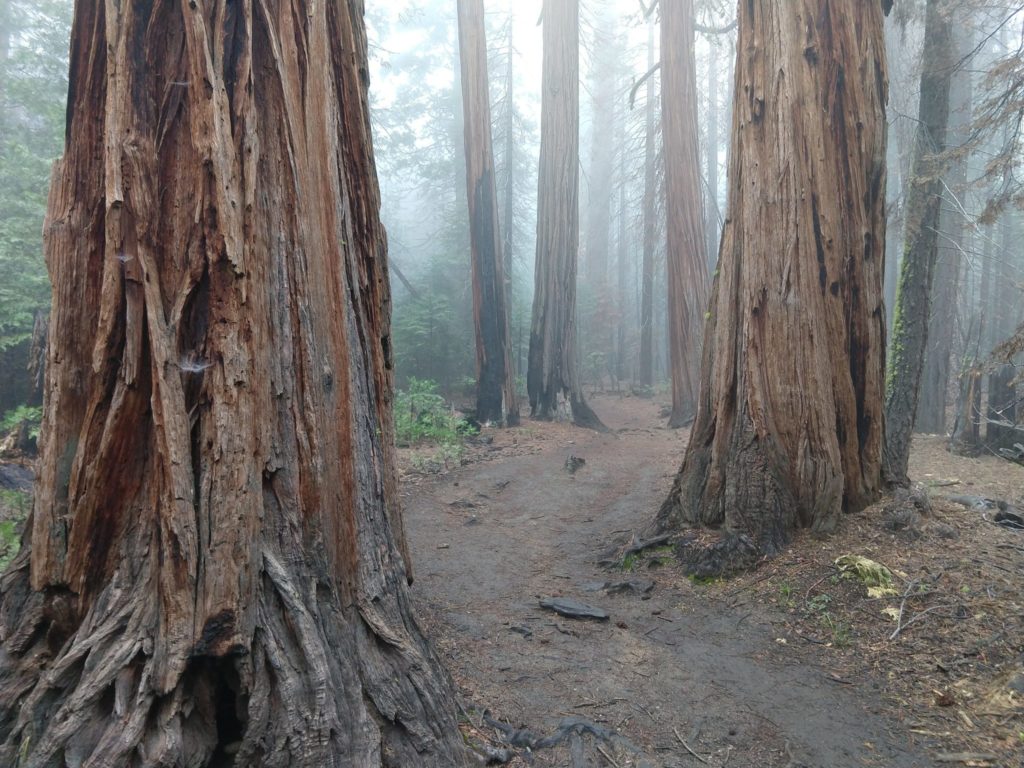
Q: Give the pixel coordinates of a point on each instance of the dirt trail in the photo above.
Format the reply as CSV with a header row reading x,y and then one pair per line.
x,y
490,538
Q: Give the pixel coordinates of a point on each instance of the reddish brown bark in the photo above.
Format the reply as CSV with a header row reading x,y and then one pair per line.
x,y
495,379
687,270
553,368
214,572
789,423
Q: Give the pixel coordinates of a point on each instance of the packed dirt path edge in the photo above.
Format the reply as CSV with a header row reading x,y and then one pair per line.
x,y
492,537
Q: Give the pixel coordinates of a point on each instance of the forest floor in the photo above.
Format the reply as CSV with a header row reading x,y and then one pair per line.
x,y
789,665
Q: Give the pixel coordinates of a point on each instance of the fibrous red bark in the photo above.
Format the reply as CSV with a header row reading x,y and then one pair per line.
x,y
553,371
789,423
495,383
214,571
687,270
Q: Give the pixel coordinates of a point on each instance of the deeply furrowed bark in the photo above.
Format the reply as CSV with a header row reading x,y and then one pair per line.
x,y
553,368
917,272
789,423
214,571
496,385
687,270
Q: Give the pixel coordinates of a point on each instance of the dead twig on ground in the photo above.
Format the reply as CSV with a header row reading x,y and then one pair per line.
x,y
611,760
917,618
687,746
903,606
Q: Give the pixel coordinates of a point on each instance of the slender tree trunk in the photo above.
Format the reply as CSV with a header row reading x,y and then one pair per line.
x,y
6,22
214,571
945,301
965,438
599,328
686,259
650,226
924,200
510,165
1003,406
622,256
895,181
789,424
712,215
495,377
553,365
894,230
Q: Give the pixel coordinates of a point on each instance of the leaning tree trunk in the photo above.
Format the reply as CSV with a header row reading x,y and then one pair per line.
x,y
917,272
495,377
214,571
789,423
684,219
553,367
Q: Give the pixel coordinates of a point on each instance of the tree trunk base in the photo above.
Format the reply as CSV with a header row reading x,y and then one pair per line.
x,y
583,415
681,421
318,684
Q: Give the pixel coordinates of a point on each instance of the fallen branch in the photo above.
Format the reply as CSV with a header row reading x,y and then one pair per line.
x,y
608,757
917,618
640,546
688,747
965,757
903,605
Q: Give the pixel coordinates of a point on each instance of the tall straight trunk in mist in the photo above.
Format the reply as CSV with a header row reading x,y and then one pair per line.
x,y
711,213
495,378
553,367
214,572
686,259
622,254
508,220
924,201
1003,403
649,223
598,327
789,423
945,299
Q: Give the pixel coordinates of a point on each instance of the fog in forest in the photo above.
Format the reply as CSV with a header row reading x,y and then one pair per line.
x,y
621,311
419,142
425,383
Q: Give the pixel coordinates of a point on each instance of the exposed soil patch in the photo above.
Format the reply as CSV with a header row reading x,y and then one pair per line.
x,y
788,665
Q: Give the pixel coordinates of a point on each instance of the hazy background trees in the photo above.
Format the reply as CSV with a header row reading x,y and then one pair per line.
x,y
623,329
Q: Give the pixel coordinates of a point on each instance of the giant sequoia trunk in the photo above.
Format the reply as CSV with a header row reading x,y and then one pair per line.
x,y
214,572
495,378
789,423
687,269
553,367
924,200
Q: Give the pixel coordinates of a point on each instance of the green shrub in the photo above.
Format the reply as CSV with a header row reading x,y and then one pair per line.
x,y
14,508
422,415
32,415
